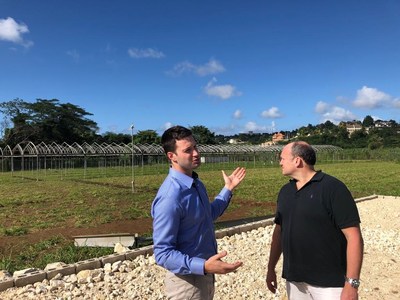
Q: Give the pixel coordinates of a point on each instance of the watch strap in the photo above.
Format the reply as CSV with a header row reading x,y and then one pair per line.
x,y
355,283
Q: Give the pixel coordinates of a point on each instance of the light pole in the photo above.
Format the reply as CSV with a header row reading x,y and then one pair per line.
x,y
133,162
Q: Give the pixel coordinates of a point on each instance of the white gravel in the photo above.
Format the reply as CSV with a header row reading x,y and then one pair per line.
x,y
143,279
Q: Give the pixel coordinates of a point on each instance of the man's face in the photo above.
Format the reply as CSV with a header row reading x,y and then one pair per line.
x,y
186,158
287,161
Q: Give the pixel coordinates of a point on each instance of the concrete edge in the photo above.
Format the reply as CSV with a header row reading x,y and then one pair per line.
x,y
95,263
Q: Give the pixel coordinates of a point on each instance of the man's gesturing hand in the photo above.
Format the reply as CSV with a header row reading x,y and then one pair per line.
x,y
215,265
235,178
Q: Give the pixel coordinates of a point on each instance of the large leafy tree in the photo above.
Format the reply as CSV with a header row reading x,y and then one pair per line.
x,y
368,121
47,121
203,135
146,137
112,137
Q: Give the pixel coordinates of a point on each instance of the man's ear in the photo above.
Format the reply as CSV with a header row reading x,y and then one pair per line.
x,y
299,161
171,156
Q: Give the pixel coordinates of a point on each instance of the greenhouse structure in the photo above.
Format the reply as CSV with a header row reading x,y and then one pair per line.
x,y
44,157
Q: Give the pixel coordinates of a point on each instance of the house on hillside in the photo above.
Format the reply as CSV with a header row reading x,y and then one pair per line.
x,y
278,136
382,124
352,127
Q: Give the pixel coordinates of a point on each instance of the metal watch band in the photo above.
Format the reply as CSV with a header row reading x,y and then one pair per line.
x,y
355,283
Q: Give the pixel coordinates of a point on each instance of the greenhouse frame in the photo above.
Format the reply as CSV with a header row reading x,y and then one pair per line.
x,y
42,156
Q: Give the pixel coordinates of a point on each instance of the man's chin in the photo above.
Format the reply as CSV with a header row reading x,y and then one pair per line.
x,y
196,165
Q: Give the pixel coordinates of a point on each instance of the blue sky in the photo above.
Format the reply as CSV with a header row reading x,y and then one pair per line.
x,y
232,66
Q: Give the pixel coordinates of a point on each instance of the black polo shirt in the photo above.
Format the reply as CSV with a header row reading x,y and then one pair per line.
x,y
314,247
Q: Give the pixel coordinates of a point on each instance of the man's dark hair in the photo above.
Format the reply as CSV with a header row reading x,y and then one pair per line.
x,y
173,134
304,151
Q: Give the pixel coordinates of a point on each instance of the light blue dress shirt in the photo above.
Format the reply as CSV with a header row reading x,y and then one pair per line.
x,y
183,228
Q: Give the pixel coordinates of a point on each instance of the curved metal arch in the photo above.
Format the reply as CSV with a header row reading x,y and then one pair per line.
x,y
43,148
207,148
18,148
326,148
113,148
89,149
68,149
147,149
77,149
8,150
56,148
127,148
97,148
153,149
30,149
137,148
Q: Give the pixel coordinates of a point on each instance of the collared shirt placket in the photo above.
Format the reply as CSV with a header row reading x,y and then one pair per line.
x,y
206,208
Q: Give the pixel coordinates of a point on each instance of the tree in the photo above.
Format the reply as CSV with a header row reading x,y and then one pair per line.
x,y
112,137
359,138
47,121
368,121
203,135
146,137
375,142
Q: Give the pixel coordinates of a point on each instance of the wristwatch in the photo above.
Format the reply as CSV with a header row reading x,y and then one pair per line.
x,y
355,283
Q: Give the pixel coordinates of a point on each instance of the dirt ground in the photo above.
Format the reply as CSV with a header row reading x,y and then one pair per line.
x,y
244,213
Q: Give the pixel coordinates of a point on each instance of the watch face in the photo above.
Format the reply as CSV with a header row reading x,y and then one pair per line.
x,y
354,283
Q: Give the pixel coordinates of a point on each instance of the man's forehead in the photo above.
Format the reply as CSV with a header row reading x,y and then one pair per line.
x,y
186,142
286,151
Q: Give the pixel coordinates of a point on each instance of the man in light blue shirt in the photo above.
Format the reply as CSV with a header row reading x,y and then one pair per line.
x,y
183,228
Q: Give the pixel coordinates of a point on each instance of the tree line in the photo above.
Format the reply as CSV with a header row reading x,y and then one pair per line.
x,y
52,121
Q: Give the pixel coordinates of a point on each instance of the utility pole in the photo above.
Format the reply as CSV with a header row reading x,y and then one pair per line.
x,y
133,162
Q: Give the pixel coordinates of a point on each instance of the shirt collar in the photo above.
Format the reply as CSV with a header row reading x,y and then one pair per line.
x,y
183,178
317,177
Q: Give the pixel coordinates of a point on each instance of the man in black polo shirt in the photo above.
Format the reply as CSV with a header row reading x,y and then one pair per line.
x,y
317,230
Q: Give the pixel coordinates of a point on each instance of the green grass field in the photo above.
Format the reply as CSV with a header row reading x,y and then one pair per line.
x,y
29,205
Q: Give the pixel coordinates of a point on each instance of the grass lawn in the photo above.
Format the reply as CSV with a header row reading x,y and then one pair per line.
x,y
28,205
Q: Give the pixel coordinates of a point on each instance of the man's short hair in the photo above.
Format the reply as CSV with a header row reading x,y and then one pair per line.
x,y
173,134
304,151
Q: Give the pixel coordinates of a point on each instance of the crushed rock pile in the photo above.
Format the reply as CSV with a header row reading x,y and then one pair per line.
x,y
141,278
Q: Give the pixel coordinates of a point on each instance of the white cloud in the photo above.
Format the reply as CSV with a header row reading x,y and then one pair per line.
x,y
74,54
396,103
221,91
376,118
273,127
167,125
249,126
333,113
225,130
339,114
237,114
273,112
183,67
321,107
145,53
370,98
11,31
253,126
211,67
